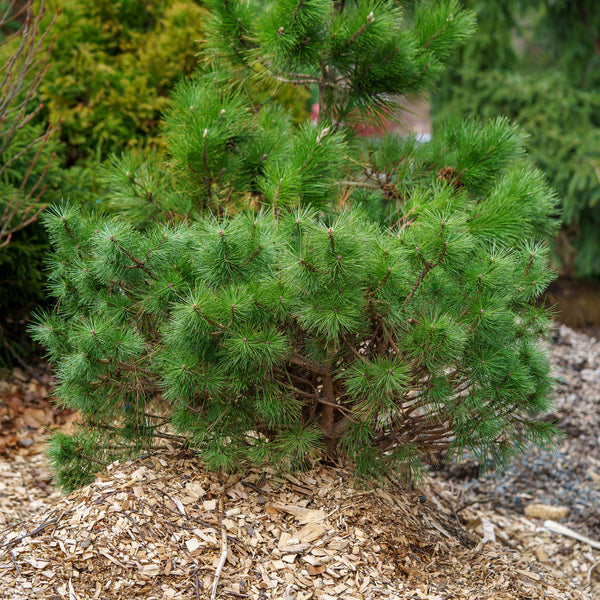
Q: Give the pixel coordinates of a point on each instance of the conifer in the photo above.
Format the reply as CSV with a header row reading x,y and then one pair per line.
x,y
277,294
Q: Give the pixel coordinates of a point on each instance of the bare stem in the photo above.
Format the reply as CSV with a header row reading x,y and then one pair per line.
x,y
428,267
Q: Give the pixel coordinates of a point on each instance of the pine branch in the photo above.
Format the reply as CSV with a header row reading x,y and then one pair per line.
x,y
128,367
370,20
433,37
309,266
248,260
388,336
381,283
428,267
298,9
138,264
362,184
301,361
293,78
353,350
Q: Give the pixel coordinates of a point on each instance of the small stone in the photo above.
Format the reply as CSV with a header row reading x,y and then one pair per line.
x,y
545,511
594,475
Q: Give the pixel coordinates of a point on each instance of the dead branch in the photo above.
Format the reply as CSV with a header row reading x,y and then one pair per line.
x,y
22,75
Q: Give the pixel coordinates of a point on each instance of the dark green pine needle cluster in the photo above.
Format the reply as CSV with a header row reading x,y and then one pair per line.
x,y
298,293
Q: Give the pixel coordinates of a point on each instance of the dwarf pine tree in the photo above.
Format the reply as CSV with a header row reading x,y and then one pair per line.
x,y
276,295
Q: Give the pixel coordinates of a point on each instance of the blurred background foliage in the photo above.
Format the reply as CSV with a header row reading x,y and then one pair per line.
x,y
538,63
28,149
113,66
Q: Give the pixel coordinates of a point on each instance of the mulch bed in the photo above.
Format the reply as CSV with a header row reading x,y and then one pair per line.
x,y
567,478
159,527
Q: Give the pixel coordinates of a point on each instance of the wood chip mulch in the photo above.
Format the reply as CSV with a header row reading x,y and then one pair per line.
x,y
163,527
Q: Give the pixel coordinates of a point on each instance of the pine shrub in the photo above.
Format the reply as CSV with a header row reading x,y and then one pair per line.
x,y
296,293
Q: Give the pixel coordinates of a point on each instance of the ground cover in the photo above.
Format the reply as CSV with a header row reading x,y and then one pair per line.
x,y
159,527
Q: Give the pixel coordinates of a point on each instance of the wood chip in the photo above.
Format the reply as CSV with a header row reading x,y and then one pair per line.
x,y
303,515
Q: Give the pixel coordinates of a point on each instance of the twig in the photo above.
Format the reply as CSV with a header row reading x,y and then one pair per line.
x,y
41,527
197,582
145,505
253,487
363,184
381,283
62,514
428,267
111,558
558,528
223,553
128,516
353,350
591,570
12,560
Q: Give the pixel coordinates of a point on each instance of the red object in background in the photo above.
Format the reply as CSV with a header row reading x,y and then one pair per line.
x,y
314,112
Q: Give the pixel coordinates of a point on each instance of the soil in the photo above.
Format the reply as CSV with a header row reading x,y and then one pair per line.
x,y
577,303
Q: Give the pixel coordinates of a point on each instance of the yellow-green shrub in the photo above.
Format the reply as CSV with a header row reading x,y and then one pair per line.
x,y
114,64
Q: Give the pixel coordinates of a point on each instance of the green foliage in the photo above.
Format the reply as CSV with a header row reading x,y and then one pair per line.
x,y
73,459
546,81
27,151
224,152
363,44
296,293
113,66
564,142
567,32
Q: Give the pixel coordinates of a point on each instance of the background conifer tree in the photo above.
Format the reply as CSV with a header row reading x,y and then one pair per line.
x,y
538,64
278,294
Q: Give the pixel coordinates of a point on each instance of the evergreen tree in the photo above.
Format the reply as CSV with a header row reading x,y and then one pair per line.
x,y
279,294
